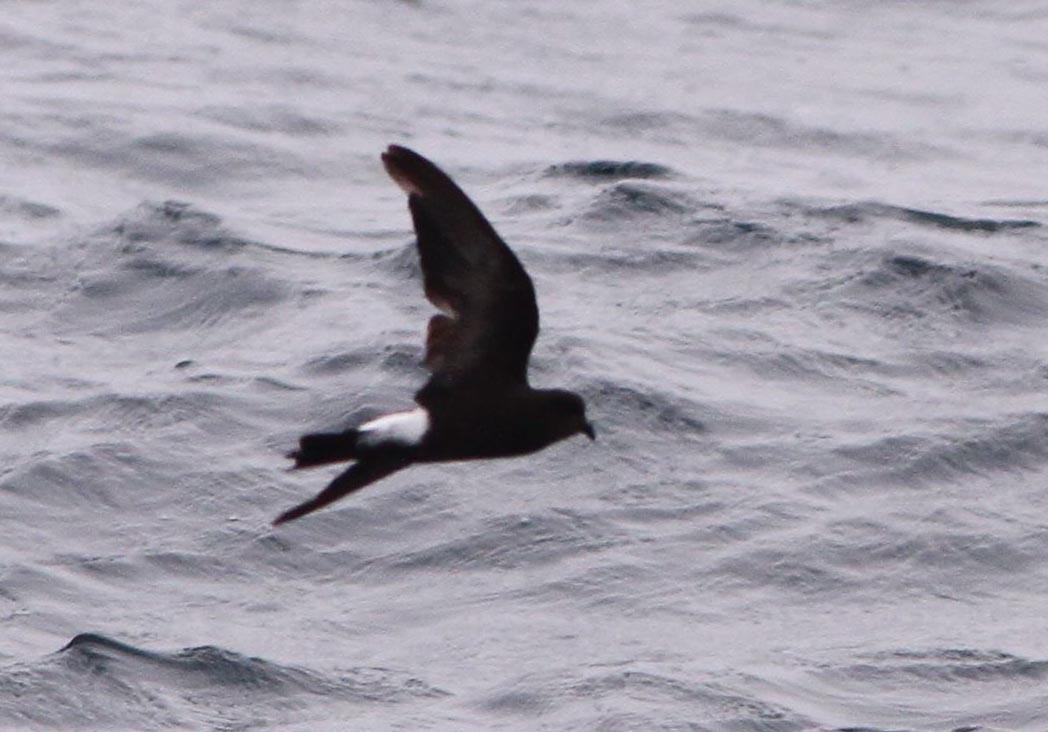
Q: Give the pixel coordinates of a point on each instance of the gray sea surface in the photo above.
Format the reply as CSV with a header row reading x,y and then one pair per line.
x,y
793,254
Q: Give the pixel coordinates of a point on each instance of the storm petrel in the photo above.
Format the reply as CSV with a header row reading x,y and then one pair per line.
x,y
477,403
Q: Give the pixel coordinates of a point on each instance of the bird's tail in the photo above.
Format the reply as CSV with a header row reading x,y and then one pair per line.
x,y
322,448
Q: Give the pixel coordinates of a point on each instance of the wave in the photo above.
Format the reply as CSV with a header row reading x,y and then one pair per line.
x,y
874,211
1008,445
120,412
643,408
98,682
765,130
950,689
270,118
946,666
178,159
610,169
913,286
26,209
163,266
631,698
509,542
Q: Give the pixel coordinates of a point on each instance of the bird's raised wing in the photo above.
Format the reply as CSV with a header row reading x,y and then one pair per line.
x,y
491,319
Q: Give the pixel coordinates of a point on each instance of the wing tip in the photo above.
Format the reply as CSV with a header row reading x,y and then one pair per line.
x,y
396,160
291,514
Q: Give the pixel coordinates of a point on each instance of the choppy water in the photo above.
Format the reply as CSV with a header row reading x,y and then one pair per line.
x,y
793,255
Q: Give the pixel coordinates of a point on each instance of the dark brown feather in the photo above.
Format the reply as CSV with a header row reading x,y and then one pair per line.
x,y
469,273
438,337
354,478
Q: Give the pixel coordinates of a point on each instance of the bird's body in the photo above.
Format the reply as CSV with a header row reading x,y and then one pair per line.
x,y
477,403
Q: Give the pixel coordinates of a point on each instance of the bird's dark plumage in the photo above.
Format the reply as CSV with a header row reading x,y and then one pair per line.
x,y
477,402
356,477
491,319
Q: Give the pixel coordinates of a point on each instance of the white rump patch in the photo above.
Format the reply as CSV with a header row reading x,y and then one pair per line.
x,y
402,428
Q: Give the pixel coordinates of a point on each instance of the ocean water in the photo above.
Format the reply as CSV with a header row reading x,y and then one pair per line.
x,y
793,254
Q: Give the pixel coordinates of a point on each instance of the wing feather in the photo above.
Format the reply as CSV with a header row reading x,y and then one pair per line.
x,y
354,478
492,318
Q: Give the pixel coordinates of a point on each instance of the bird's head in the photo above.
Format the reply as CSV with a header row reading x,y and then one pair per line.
x,y
570,414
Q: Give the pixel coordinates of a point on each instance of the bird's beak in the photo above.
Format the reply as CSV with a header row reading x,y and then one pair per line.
x,y
587,429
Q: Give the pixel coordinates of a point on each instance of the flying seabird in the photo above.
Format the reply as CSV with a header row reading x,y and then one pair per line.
x,y
477,403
